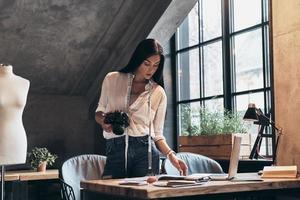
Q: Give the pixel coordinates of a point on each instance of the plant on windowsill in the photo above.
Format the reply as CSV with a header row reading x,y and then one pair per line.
x,y
212,135
39,158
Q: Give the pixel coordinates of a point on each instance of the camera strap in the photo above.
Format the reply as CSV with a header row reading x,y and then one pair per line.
x,y
150,126
129,86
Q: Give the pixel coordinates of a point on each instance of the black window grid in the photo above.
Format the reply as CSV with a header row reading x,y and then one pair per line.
x,y
229,95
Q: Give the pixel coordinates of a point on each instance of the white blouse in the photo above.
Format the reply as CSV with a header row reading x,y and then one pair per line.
x,y
116,89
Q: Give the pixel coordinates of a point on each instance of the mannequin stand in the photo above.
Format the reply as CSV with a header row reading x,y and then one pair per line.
x,y
2,182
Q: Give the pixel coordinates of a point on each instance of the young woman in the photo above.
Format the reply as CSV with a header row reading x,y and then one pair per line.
x,y
134,89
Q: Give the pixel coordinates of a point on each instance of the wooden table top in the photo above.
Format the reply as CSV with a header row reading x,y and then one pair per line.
x,y
29,175
150,191
11,177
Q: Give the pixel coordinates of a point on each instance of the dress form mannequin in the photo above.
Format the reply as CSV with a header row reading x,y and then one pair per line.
x,y
13,96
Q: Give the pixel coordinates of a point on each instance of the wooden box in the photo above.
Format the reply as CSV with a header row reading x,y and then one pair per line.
x,y
214,146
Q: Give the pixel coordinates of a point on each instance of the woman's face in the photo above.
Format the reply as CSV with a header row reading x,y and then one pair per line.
x,y
147,69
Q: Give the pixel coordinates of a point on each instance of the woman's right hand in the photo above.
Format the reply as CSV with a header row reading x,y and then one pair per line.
x,y
106,127
100,116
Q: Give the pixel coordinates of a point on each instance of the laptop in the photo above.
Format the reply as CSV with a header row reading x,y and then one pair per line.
x,y
232,172
233,163
233,166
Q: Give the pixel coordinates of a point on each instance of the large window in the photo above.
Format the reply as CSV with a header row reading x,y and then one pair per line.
x,y
222,59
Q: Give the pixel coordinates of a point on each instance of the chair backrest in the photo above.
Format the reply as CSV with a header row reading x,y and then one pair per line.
x,y
66,191
83,167
196,164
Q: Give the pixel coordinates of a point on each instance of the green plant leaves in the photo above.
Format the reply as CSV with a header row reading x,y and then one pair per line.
x,y
39,155
202,121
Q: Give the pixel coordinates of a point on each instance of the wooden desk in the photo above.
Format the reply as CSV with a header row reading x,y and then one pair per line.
x,y
30,175
19,184
112,188
11,177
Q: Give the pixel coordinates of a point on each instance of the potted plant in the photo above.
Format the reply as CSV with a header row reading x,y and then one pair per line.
x,y
39,158
211,133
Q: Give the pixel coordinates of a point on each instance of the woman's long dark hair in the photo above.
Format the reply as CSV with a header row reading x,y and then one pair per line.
x,y
144,50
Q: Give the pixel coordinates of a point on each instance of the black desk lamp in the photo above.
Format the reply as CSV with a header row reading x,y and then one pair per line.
x,y
256,115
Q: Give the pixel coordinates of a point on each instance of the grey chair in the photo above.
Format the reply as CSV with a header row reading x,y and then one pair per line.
x,y
83,167
196,164
66,191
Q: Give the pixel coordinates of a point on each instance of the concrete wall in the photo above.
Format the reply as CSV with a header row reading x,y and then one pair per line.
x,y
171,19
170,127
60,123
286,42
65,48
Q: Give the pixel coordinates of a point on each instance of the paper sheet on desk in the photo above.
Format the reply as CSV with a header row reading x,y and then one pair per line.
x,y
198,176
245,177
134,181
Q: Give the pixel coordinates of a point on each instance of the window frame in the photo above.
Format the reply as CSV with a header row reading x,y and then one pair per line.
x,y
229,95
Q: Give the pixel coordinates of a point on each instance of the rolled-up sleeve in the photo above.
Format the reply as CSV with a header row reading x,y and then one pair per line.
x,y
159,119
104,95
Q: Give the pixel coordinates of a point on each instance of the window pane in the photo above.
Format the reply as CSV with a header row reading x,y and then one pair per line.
x,y
242,102
188,75
214,105
248,60
188,32
266,147
211,10
213,73
189,118
246,13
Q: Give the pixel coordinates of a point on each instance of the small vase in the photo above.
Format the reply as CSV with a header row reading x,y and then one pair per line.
x,y
42,167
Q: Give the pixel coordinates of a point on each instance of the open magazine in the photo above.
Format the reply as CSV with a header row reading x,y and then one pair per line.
x,y
181,181
168,180
193,177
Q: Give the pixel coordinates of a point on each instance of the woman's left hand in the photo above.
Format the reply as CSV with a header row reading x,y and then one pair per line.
x,y
178,164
